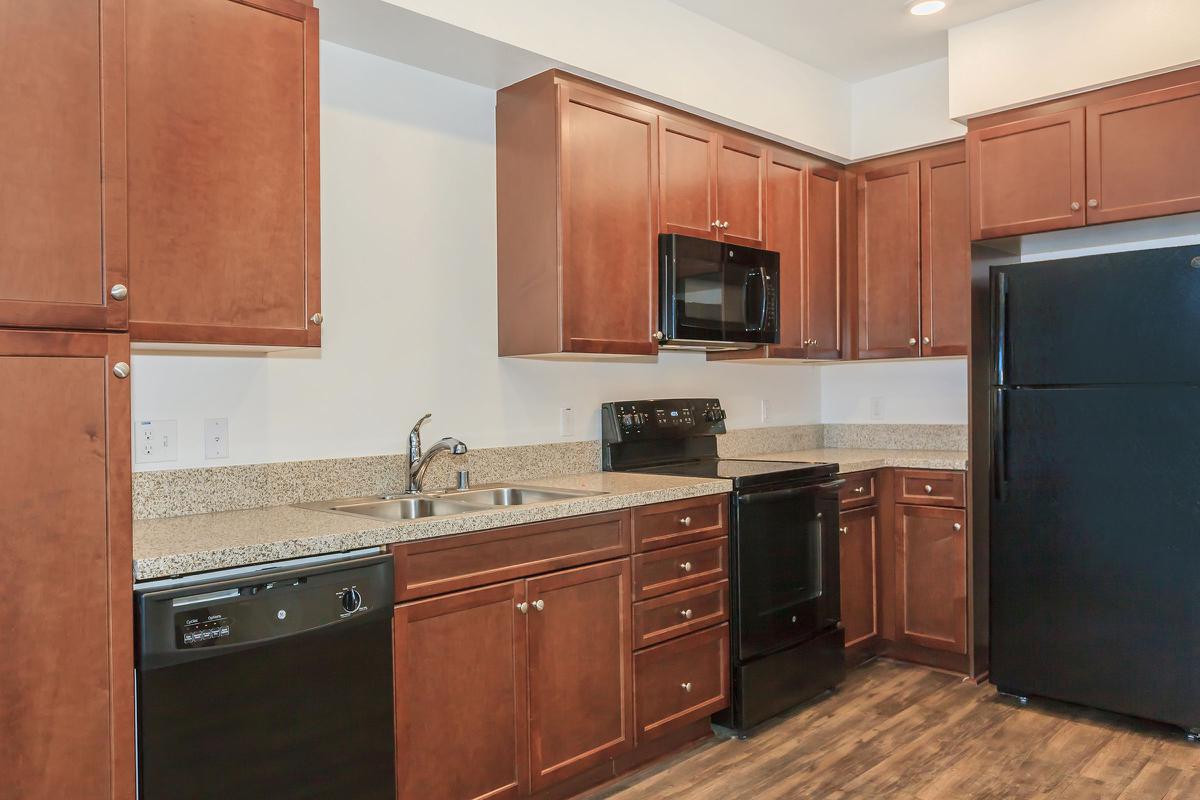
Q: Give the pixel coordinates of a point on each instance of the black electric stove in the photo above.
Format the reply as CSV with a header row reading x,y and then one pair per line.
x,y
786,639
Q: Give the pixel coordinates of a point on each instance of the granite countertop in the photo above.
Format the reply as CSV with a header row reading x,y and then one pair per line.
x,y
855,460
200,542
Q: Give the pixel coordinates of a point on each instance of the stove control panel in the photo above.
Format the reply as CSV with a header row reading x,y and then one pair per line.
x,y
636,420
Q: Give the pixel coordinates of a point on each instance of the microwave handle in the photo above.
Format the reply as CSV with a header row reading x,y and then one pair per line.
x,y
762,316
762,311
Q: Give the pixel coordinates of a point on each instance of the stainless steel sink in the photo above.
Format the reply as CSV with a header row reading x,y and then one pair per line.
x,y
445,504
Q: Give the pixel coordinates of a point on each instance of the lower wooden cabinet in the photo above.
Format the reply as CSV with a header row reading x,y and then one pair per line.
x,y
860,549
682,681
66,697
931,577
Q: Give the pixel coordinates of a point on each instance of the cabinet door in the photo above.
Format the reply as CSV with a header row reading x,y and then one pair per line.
x,y
461,711
889,262
860,547
223,133
931,577
741,188
62,175
609,198
945,257
66,699
822,317
785,235
1027,176
1141,155
580,666
688,178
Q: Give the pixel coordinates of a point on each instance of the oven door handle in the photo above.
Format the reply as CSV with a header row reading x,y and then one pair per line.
x,y
794,491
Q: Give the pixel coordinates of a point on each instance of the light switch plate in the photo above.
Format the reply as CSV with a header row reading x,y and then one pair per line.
x,y
155,440
876,408
765,410
216,438
566,422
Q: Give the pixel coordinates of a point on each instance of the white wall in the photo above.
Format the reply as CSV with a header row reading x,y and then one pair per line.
x,y
409,295
903,109
1055,47
932,391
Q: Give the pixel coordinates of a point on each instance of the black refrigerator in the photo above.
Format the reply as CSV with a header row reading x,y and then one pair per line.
x,y
1095,504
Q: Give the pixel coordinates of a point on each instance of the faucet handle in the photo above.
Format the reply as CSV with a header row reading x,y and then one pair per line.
x,y
421,422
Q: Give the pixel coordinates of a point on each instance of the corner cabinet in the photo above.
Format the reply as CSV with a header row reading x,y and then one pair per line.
x,y
223,171
577,221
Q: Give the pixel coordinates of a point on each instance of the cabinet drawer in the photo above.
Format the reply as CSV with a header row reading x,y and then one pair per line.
x,y
665,571
673,615
679,522
681,681
931,488
861,489
450,563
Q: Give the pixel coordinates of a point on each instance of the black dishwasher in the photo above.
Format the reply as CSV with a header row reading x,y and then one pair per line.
x,y
268,682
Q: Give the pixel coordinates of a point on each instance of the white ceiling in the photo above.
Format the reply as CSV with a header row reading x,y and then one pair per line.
x,y
852,39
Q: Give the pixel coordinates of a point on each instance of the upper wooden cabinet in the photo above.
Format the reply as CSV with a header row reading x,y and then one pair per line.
x,y
825,204
945,256
741,190
62,174
66,700
1142,159
889,261
577,221
223,143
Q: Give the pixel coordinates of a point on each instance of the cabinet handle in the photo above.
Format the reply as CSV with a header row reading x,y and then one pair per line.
x,y
1093,203
928,489
317,318
686,613
911,342
119,291
925,340
686,566
686,686
523,608
716,223
685,521
121,370
725,225
539,605
958,526
845,529
659,336
1075,206
859,489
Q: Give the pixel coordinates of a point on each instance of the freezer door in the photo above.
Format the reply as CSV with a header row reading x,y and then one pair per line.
x,y
1095,548
1114,318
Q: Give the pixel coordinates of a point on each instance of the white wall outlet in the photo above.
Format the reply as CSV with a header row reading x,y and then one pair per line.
x,y
216,438
566,422
155,440
876,408
765,410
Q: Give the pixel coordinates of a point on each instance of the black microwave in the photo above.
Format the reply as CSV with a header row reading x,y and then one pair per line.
x,y
716,296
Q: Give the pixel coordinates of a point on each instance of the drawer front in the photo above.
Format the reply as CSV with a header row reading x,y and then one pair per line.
x,y
922,487
673,615
451,563
680,682
664,571
680,522
861,489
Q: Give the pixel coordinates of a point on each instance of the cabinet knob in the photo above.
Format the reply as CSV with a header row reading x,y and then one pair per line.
x,y
911,342
859,489
686,686
659,336
523,608
845,529
716,223
686,566
925,340
119,291
317,318
121,370
1093,203
958,526
928,489
539,605
685,521
686,613
725,225
1075,206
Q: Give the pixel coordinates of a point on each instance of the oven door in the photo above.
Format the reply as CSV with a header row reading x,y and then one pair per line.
x,y
785,565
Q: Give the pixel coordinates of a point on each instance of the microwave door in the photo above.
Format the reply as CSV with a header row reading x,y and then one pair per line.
x,y
744,304
699,294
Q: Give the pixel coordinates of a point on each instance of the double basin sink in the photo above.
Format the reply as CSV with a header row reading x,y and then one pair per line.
x,y
445,504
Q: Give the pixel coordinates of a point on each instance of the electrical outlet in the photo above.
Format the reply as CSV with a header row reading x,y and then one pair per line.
x,y
156,440
566,422
876,408
216,438
765,410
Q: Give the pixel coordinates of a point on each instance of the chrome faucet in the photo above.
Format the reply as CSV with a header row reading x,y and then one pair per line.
x,y
418,462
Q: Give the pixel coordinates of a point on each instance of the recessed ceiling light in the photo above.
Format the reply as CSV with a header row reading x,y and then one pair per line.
x,y
923,8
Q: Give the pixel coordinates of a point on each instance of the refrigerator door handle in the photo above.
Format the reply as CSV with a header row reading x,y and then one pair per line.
x,y
1000,328
999,443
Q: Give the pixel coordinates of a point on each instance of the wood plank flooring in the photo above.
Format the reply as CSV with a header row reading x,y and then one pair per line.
x,y
905,732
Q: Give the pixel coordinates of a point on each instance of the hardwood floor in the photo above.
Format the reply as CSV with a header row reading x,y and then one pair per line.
x,y
905,732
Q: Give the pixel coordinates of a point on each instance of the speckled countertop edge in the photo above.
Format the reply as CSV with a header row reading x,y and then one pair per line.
x,y
201,542
856,460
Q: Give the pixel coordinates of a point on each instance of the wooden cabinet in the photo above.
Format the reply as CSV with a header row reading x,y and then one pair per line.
x,y
580,670
461,706
931,577
741,190
825,202
688,178
945,256
889,261
66,700
1027,176
860,549
577,221
682,681
1142,159
679,522
62,175
223,144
